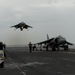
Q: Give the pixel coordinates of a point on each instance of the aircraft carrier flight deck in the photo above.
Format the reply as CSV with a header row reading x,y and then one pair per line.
x,y
19,61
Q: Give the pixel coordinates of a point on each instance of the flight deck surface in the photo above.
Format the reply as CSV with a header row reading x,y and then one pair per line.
x,y
20,61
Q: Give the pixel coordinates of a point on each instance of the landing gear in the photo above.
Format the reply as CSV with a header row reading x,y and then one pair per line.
x,y
2,65
53,48
66,48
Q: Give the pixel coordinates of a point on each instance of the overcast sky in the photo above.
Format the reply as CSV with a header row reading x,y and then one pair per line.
x,y
52,17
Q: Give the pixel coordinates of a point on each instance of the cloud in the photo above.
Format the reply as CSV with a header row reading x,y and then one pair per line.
x,y
58,4
53,17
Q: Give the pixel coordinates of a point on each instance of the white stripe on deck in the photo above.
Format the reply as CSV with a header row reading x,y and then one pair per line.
x,y
17,66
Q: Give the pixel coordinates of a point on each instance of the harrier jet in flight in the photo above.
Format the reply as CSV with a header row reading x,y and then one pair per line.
x,y
55,43
21,25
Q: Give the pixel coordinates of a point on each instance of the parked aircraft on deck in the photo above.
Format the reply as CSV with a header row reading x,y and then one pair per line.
x,y
55,43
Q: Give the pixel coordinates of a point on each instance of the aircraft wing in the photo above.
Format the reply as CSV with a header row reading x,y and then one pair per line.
x,y
26,26
45,42
30,26
69,43
16,26
12,26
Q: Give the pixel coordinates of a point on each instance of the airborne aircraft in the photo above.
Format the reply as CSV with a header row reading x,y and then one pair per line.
x,y
55,43
21,25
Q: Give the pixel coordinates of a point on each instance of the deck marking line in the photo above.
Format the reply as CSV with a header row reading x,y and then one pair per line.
x,y
16,66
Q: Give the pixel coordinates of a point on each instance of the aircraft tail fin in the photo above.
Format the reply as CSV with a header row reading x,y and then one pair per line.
x,y
47,37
